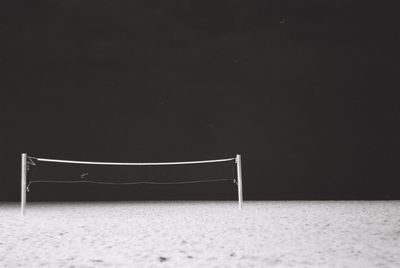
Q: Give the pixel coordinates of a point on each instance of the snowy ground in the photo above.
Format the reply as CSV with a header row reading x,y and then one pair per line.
x,y
201,234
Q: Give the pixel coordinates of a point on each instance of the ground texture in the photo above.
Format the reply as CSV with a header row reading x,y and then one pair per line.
x,y
201,234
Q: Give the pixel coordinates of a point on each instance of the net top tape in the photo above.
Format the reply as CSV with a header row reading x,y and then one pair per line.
x,y
134,164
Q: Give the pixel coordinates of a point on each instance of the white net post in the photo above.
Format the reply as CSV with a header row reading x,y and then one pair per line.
x,y
239,180
23,183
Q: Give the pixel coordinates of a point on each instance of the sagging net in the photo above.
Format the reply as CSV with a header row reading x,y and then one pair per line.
x,y
40,170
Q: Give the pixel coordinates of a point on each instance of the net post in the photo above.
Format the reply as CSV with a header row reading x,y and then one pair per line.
x,y
239,179
23,183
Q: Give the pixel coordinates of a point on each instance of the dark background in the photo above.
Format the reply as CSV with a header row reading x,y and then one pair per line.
x,y
304,90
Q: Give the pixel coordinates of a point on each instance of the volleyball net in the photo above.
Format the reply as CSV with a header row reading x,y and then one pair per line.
x,y
36,170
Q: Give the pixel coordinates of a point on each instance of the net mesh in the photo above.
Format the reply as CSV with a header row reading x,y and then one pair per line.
x,y
62,171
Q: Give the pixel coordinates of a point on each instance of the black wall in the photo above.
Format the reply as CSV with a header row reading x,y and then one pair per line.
x,y
304,90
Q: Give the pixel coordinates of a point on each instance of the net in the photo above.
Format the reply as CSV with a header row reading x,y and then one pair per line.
x,y
43,170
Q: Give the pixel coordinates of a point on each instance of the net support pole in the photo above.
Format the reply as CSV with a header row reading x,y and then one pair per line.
x,y
239,180
23,183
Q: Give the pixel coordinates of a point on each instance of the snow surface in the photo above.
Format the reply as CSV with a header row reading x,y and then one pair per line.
x,y
201,234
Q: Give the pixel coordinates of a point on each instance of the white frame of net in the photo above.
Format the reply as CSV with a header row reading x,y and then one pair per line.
x,y
24,165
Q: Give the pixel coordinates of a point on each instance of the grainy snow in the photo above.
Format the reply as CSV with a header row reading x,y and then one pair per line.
x,y
201,234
